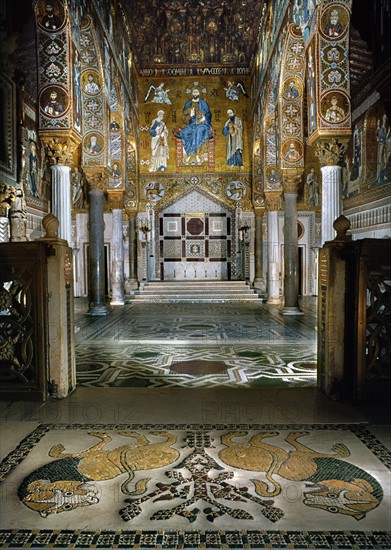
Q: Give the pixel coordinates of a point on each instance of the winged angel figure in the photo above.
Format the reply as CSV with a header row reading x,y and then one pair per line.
x,y
160,94
232,91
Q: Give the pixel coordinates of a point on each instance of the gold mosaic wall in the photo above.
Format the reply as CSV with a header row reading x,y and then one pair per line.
x,y
169,144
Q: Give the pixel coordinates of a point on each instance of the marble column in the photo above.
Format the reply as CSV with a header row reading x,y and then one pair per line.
x,y
331,200
97,273
273,249
331,153
117,260
291,250
117,248
60,147
259,280
133,279
61,200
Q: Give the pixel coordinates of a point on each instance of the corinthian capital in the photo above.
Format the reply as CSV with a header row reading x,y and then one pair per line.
x,y
292,179
60,147
97,177
330,152
115,198
273,200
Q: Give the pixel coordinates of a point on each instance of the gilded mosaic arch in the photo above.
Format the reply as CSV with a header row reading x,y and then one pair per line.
x,y
290,101
331,50
93,98
55,76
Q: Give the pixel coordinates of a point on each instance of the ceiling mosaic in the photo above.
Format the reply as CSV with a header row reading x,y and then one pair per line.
x,y
194,32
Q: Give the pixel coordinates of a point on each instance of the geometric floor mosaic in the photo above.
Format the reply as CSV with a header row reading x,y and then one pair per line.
x,y
197,486
244,366
140,345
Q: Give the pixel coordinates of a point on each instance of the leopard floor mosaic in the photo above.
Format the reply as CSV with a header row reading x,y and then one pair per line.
x,y
197,486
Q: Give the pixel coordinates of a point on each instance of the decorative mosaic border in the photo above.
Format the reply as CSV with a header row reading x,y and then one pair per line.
x,y
43,538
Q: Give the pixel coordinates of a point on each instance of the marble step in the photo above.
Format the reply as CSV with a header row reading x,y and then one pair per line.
x,y
160,298
212,285
195,292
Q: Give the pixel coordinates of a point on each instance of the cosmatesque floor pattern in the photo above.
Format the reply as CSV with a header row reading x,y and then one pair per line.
x,y
197,486
168,345
215,436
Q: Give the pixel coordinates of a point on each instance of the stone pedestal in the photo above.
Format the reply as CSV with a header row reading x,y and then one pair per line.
x,y
61,200
60,322
117,260
96,288
62,362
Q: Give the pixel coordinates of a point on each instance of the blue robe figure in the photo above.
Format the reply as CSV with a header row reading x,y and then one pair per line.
x,y
197,114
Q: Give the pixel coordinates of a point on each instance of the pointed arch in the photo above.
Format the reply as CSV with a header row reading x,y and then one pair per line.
x,y
331,52
291,100
116,138
272,180
94,100
55,94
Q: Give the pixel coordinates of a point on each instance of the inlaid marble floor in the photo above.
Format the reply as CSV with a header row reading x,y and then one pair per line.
x,y
191,461
166,345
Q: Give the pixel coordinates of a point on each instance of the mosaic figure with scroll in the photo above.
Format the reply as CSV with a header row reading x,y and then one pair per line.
x,y
233,131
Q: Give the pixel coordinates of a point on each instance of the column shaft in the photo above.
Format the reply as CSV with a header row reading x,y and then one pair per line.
x,y
61,200
273,252
97,273
291,257
133,280
259,280
331,200
117,260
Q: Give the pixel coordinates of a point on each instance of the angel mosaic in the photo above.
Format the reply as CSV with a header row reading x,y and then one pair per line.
x,y
160,94
233,90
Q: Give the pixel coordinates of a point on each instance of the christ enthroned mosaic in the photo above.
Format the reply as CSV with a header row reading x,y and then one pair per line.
x,y
252,480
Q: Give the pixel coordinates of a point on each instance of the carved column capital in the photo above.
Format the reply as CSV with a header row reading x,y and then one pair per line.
x,y
97,177
292,179
115,198
260,211
258,199
60,147
331,151
272,199
131,212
